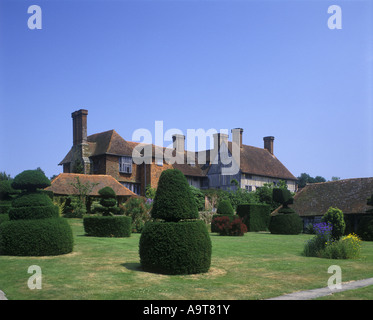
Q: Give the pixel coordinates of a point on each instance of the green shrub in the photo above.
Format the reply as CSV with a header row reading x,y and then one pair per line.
x,y
174,200
199,198
255,216
289,223
5,207
30,180
182,247
138,209
36,212
43,237
225,208
3,218
365,228
107,226
35,228
214,227
334,216
73,208
108,202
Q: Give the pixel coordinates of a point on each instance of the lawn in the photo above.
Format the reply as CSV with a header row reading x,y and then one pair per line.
x,y
255,266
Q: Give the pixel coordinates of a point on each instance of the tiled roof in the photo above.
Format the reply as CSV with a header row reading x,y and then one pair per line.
x,y
349,195
62,184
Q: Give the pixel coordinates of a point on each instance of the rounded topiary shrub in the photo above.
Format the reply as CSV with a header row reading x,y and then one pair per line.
x,y
173,200
35,228
106,226
41,237
225,208
108,202
289,223
175,247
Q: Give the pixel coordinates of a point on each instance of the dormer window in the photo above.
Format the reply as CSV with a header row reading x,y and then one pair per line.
x,y
125,164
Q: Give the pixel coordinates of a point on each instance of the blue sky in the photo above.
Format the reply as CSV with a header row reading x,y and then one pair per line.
x,y
273,68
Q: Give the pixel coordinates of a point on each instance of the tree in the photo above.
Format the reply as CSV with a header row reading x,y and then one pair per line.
x,y
305,178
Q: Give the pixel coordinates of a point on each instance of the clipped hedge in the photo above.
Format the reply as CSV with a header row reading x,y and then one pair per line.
x,y
35,212
5,207
42,237
182,247
255,216
107,226
289,223
365,228
30,180
231,217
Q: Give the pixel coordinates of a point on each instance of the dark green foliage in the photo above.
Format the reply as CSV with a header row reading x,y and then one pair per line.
x,y
255,216
199,198
225,208
3,218
35,212
289,223
74,207
370,203
182,247
5,207
6,190
36,237
334,216
174,200
33,199
30,180
214,227
35,228
107,193
107,226
108,202
284,197
365,228
138,209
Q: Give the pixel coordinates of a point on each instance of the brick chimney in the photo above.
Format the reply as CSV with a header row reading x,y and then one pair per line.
x,y
241,131
80,162
268,143
79,126
178,142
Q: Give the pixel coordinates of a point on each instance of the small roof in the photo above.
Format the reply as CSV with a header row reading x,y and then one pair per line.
x,y
348,195
63,184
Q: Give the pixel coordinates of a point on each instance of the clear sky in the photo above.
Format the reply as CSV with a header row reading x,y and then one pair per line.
x,y
273,68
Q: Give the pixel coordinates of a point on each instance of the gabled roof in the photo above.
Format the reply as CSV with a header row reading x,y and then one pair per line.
x,y
261,162
62,184
349,195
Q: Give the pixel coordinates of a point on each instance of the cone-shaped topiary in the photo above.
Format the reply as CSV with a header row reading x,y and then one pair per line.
x,y
225,208
173,200
173,246
35,227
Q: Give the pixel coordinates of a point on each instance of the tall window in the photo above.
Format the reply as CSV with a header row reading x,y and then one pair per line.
x,y
125,164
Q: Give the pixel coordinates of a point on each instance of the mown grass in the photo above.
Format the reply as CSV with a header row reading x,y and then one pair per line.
x,y
255,266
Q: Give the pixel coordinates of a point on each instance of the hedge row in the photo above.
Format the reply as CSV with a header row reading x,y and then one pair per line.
x,y
255,216
42,237
289,223
182,247
35,212
107,226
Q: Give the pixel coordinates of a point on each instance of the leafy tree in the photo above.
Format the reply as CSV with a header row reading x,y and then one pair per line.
x,y
305,178
4,176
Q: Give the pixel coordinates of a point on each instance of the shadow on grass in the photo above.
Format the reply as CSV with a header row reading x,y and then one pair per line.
x,y
134,266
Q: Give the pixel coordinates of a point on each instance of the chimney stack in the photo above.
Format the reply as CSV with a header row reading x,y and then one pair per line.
x,y
268,144
79,126
219,138
241,131
178,142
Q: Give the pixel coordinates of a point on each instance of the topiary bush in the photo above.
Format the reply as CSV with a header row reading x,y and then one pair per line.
x,y
365,228
173,246
334,216
173,200
255,216
284,197
34,226
182,247
42,237
108,202
107,226
289,223
225,208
